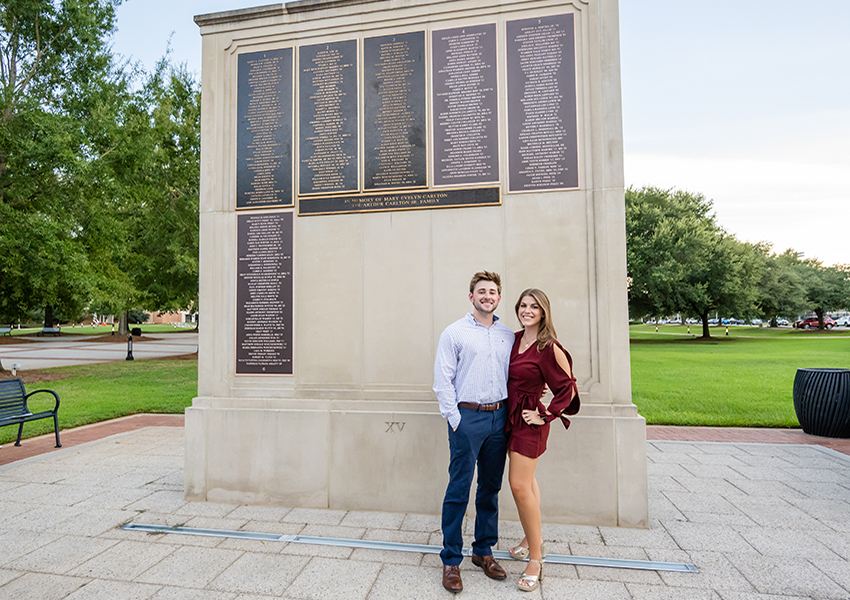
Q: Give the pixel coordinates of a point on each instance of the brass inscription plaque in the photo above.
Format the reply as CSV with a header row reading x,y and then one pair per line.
x,y
264,129
542,117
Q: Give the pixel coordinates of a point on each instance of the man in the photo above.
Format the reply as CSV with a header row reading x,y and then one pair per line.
x,y
470,380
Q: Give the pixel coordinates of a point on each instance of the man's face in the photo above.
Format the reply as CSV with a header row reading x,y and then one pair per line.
x,y
485,297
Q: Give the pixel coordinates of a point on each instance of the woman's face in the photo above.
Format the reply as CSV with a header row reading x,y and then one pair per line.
x,y
529,312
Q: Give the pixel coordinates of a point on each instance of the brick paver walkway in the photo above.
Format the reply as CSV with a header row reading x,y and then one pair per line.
x,y
10,453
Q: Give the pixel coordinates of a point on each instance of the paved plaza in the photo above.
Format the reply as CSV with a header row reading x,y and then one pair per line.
x,y
759,521
66,350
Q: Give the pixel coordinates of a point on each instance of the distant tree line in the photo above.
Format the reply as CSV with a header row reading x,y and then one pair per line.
x,y
680,261
99,168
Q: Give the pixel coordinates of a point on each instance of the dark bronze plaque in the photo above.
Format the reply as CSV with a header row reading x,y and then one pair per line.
x,y
542,121
328,118
465,105
264,294
400,201
264,129
394,111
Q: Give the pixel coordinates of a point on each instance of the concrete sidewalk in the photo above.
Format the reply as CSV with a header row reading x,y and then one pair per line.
x,y
760,522
48,352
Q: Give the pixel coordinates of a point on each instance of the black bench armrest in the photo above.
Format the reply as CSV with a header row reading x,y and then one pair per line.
x,y
55,408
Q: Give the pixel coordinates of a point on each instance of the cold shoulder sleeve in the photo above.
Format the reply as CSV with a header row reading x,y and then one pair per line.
x,y
565,399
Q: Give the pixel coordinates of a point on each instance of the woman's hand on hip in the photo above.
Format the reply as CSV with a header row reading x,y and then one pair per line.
x,y
532,417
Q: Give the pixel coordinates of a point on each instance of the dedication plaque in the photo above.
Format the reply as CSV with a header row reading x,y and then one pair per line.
x,y
264,129
465,105
446,198
264,294
542,117
394,111
327,105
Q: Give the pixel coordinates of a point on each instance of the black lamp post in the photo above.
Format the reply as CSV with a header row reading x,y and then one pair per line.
x,y
129,347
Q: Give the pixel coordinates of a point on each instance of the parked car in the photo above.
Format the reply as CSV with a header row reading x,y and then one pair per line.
x,y
812,323
783,322
842,321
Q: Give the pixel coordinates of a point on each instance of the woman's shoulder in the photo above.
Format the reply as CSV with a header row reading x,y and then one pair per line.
x,y
518,334
554,348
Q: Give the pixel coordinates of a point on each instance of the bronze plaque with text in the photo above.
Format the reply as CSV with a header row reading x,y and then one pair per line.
x,y
413,199
264,129
327,117
542,116
465,105
264,294
394,111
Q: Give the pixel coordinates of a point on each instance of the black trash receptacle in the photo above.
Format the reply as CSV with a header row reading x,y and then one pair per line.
x,y
137,331
822,401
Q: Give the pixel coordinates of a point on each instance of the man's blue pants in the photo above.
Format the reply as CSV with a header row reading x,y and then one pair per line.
x,y
480,439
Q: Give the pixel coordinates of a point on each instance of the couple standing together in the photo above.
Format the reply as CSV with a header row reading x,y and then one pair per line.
x,y
489,382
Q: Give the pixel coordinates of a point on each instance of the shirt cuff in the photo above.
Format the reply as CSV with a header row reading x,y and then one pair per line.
x,y
454,419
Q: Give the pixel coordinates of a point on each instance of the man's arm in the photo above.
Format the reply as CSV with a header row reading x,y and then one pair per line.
x,y
445,368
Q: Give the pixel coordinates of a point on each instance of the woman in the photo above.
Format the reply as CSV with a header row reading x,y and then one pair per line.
x,y
537,361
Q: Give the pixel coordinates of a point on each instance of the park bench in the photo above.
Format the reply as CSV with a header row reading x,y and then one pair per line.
x,y
6,331
14,411
45,330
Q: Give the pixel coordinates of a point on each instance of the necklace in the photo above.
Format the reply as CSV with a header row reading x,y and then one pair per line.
x,y
525,345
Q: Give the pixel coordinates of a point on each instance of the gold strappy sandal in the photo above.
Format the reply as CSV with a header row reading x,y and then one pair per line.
x,y
521,552
529,583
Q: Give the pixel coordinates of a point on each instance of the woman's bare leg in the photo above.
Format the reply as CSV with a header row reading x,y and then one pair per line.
x,y
527,497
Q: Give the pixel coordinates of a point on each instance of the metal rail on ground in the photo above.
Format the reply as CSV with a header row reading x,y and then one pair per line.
x,y
561,559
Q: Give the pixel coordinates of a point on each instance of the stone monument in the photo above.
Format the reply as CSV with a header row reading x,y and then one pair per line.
x,y
360,161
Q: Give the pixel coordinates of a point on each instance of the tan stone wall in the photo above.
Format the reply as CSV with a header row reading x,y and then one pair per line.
x,y
357,425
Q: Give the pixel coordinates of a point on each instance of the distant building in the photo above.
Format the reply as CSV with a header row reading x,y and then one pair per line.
x,y
158,318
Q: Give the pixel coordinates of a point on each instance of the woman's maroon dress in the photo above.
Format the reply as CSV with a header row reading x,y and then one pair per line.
x,y
528,374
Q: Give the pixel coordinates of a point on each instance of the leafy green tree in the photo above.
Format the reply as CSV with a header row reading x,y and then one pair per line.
x,y
723,278
57,83
782,292
827,288
680,261
664,231
164,193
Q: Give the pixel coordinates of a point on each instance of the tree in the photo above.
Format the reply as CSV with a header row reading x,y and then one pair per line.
x,y
781,289
164,236
723,278
57,88
680,261
827,288
664,231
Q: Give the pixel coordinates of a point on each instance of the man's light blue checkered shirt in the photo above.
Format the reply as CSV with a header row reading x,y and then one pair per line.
x,y
471,365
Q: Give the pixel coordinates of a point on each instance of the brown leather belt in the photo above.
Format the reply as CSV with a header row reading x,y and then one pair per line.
x,y
481,407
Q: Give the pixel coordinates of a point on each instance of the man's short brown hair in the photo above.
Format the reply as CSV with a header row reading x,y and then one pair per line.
x,y
486,276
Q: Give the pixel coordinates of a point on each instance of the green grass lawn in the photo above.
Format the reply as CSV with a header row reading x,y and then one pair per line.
x,y
105,391
89,330
743,379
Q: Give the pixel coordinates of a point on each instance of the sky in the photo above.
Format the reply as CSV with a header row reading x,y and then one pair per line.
x,y
747,103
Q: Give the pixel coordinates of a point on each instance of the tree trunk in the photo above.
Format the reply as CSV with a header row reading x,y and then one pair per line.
x,y
123,326
819,313
705,332
48,316
773,322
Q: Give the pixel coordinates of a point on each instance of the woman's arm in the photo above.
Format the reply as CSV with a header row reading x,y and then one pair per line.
x,y
558,373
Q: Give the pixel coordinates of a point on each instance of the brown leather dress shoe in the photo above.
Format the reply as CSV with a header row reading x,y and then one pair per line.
x,y
451,578
492,569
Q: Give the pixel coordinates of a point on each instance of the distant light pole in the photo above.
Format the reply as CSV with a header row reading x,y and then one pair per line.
x,y
129,347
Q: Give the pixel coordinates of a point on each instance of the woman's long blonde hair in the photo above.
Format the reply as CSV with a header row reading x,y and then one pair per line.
x,y
546,329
